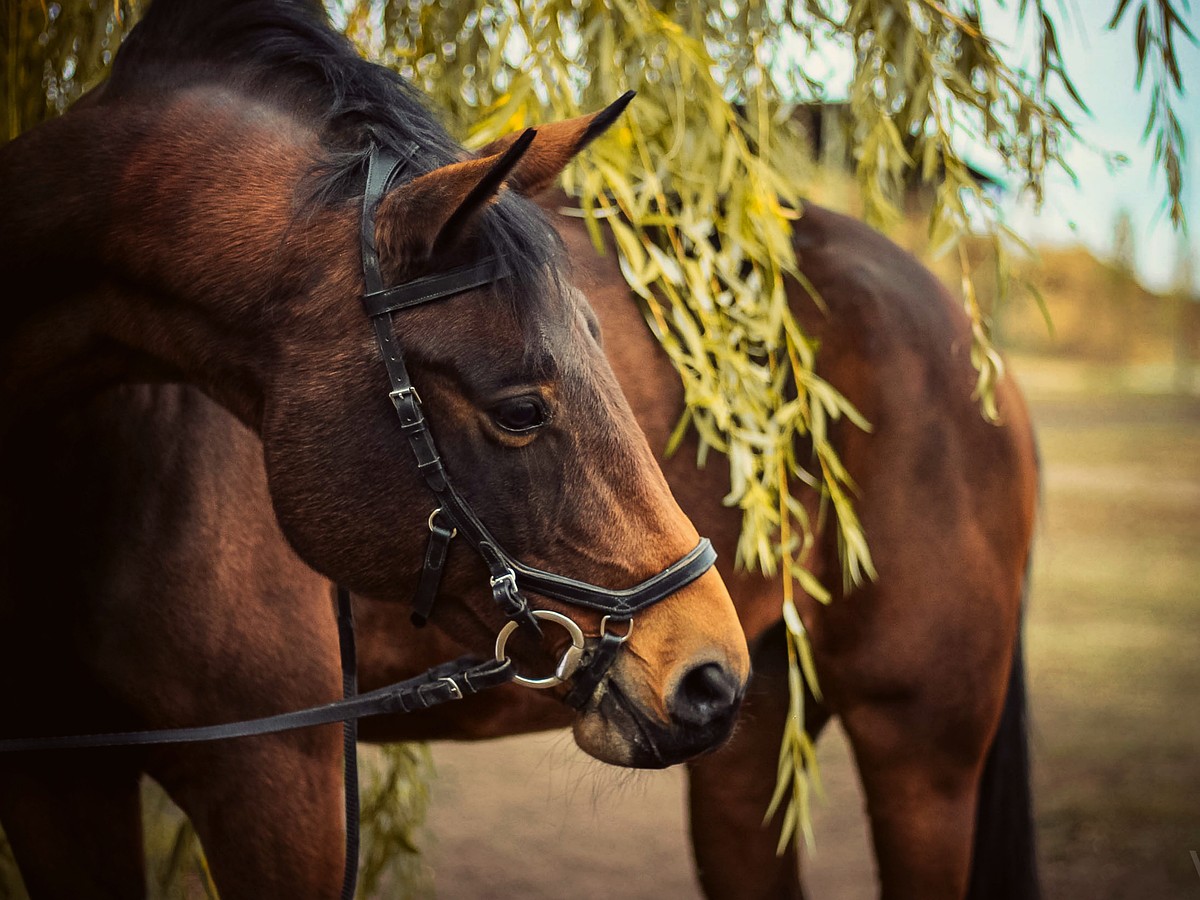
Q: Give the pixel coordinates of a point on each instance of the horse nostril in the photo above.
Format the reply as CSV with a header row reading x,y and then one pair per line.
x,y
705,694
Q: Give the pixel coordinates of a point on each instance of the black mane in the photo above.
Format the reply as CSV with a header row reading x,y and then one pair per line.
x,y
286,52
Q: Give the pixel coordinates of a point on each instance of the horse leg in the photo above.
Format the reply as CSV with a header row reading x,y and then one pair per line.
x,y
730,790
75,827
1004,863
924,702
921,757
268,811
920,800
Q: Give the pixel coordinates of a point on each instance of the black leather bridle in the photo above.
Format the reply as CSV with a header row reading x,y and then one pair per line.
x,y
452,515
509,576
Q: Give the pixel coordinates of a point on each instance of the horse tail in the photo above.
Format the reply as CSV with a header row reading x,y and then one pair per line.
x,y
1004,860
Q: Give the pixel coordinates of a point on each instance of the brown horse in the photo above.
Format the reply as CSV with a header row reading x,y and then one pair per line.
x,y
198,220
922,666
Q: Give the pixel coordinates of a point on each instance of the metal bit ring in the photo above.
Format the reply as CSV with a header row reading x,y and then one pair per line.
x,y
566,666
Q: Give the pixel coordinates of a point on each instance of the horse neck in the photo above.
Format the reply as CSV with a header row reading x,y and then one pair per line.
x,y
155,242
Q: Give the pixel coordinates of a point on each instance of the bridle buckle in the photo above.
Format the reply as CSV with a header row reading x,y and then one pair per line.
x,y
405,394
496,580
407,403
455,691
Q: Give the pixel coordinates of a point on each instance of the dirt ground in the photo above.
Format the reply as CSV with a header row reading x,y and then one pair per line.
x,y
532,817
1112,630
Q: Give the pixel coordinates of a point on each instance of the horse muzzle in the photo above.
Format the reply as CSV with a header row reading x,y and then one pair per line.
x,y
700,714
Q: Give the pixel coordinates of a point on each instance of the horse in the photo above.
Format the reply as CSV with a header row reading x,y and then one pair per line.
x,y
201,219
922,666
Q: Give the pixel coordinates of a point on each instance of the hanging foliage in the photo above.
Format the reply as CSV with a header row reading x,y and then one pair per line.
x,y
53,53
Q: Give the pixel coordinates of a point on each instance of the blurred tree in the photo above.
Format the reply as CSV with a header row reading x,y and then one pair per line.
x,y
1123,250
1119,313
1186,296
54,52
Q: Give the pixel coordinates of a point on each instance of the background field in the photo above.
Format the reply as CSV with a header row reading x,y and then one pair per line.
x,y
1113,628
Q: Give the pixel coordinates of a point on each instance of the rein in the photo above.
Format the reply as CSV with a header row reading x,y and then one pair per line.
x,y
586,662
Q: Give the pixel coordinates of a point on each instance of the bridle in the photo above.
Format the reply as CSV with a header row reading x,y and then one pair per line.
x,y
586,662
452,514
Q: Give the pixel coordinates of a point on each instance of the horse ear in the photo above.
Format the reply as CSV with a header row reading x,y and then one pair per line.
x,y
555,146
431,212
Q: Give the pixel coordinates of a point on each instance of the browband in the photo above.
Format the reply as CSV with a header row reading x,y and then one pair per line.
x,y
435,287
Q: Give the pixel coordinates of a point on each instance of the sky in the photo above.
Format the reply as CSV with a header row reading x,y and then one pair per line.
x,y
1102,65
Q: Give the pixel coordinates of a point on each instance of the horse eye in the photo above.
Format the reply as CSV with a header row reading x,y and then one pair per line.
x,y
520,415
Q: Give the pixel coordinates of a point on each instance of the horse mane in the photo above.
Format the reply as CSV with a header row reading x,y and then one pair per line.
x,y
286,52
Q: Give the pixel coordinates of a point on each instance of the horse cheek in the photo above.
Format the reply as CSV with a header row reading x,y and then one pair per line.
x,y
339,495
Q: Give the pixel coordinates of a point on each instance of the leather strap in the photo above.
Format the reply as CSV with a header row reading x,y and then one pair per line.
x,y
382,166
435,287
407,403
597,659
449,681
619,603
431,573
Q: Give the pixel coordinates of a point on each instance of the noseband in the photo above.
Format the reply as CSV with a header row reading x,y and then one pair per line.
x,y
452,514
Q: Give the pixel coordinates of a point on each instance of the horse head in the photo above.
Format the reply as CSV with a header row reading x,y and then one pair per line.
x,y
531,428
